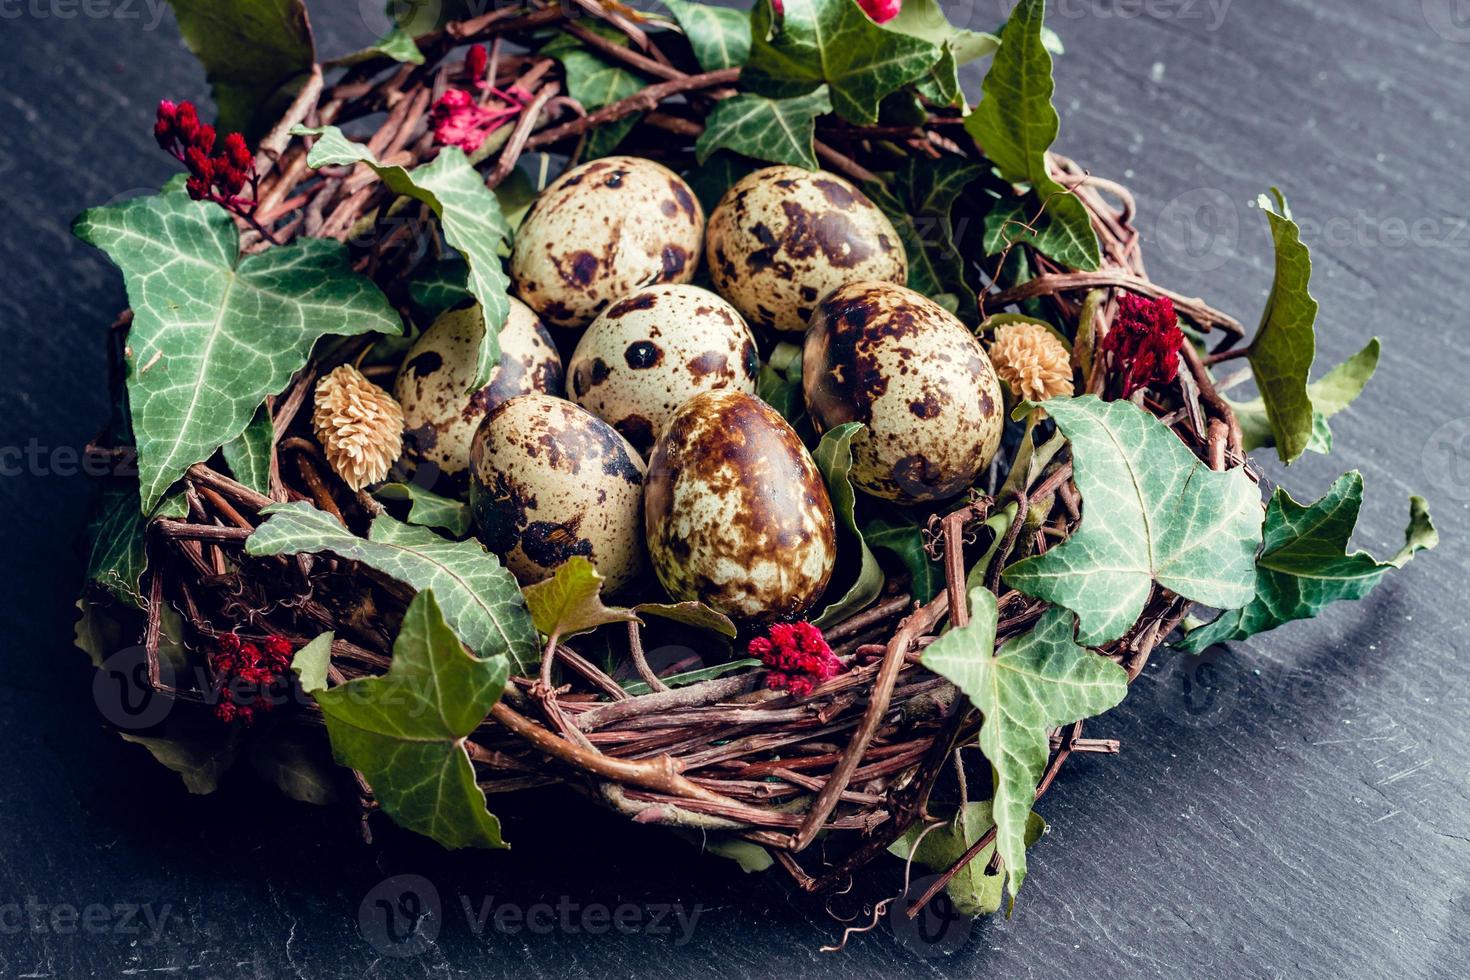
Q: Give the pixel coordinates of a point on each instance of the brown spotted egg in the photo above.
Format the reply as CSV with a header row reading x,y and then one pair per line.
x,y
549,480
599,232
783,237
736,512
440,414
653,350
909,370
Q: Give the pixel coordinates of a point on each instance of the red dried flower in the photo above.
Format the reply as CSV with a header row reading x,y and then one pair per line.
x,y
1143,344
798,657
476,63
881,11
219,177
458,120
248,677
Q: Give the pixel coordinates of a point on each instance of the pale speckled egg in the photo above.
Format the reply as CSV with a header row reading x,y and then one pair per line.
x,y
736,512
653,350
908,369
549,480
783,237
599,232
440,414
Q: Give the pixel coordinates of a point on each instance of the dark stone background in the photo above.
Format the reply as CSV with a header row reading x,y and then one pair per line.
x,y
1297,807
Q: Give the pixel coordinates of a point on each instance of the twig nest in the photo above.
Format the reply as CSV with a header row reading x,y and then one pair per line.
x,y
1032,361
916,377
650,352
359,425
783,237
440,412
736,511
602,230
549,480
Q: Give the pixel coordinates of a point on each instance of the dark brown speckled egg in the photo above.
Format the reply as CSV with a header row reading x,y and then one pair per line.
x,y
736,511
909,370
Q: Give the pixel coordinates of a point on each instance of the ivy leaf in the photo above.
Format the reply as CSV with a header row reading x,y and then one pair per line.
x,y
397,44
595,82
719,36
213,332
833,457
1015,124
689,613
925,19
710,181
199,757
902,536
479,597
1329,394
405,731
832,41
919,202
249,454
468,212
570,602
639,688
297,763
117,530
1034,683
427,508
1152,512
439,287
972,891
1304,564
774,130
250,49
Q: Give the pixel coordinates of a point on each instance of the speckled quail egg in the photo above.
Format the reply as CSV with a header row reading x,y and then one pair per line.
x,y
440,415
783,237
653,350
549,480
599,232
909,370
736,512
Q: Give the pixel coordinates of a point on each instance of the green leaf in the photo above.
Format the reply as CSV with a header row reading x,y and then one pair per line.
x,y
438,288
1329,394
249,454
638,688
774,130
1281,353
405,731
250,49
1015,124
689,613
397,44
833,457
902,536
832,41
972,891
1152,512
214,333
710,181
719,36
468,212
1034,683
570,602
998,523
427,509
925,19
117,531
595,82
1304,564
479,597
199,757
295,760
752,858
919,201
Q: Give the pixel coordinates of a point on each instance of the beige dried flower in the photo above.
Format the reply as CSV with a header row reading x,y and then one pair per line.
x,y
359,425
1032,361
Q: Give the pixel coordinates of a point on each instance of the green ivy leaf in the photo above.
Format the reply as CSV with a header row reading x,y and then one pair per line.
x,y
468,212
479,597
719,36
925,19
595,82
1152,512
1329,394
689,613
639,688
397,44
117,530
405,731
249,454
214,333
438,288
919,202
296,762
427,508
972,891
251,50
901,535
1304,564
710,181
774,130
570,602
1034,683
199,757
1015,124
833,457
832,41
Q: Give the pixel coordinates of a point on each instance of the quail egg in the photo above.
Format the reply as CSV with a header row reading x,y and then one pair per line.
x,y
440,415
736,512
549,480
599,232
783,237
653,350
909,370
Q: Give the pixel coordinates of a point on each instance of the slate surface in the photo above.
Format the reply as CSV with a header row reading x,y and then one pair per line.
x,y
1296,808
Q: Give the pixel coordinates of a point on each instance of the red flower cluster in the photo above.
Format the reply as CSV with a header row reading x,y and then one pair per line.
x,y
218,177
249,677
881,11
798,657
1143,344
458,118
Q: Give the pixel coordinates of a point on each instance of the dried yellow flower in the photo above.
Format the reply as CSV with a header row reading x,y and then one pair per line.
x,y
359,425
1032,361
